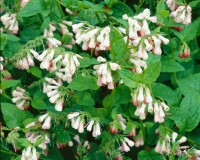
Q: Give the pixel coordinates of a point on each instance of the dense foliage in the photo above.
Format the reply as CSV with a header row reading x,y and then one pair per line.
x,y
100,79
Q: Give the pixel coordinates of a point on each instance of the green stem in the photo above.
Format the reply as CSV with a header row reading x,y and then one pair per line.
x,y
138,8
143,132
189,140
9,152
60,8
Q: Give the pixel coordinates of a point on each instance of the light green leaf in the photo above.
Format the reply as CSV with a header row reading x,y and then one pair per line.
x,y
190,31
3,40
150,155
187,117
128,78
117,46
36,71
119,9
13,116
172,97
32,8
9,83
38,102
150,74
82,83
170,65
85,99
86,62
190,85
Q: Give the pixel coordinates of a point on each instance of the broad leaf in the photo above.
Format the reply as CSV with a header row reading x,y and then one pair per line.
x,y
150,155
9,83
13,116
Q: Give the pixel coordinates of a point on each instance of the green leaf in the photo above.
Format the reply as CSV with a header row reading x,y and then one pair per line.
x,y
3,40
150,155
150,74
170,65
54,153
85,99
62,136
86,62
117,44
13,116
24,142
190,31
38,102
119,9
187,117
172,97
9,83
81,83
190,85
193,4
36,71
128,78
32,8
161,11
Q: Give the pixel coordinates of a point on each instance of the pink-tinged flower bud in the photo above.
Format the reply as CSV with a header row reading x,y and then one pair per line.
x,y
125,147
174,136
113,129
165,40
182,140
129,142
47,123
133,132
89,127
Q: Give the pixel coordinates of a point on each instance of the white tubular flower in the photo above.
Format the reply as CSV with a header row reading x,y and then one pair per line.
x,y
140,65
104,72
73,115
125,147
96,129
77,139
90,124
165,40
76,123
174,136
140,97
47,123
81,126
21,98
129,142
1,66
165,107
59,105
145,28
10,22
158,147
150,108
29,153
148,45
30,125
148,97
25,62
182,140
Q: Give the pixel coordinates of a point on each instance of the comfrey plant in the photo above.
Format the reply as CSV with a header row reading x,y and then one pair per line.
x,y
100,80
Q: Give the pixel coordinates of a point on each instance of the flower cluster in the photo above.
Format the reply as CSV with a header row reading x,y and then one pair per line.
x,y
29,153
141,40
104,72
1,60
46,119
33,137
167,145
51,88
183,14
92,37
10,22
142,99
21,98
126,144
171,4
78,122
25,62
185,51
139,140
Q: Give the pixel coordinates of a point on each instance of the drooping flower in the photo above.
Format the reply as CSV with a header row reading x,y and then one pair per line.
x,y
21,98
46,119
